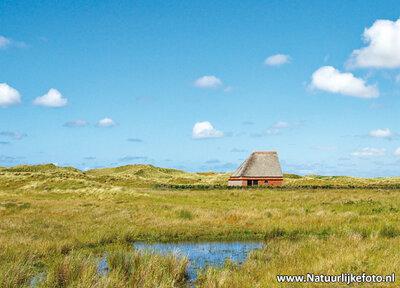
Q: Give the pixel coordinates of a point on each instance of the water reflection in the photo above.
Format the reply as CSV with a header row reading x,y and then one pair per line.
x,y
202,254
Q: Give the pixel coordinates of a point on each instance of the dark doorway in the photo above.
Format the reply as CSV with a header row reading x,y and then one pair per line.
x,y
252,182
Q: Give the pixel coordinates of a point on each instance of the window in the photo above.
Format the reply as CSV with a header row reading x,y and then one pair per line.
x,y
249,183
255,182
265,182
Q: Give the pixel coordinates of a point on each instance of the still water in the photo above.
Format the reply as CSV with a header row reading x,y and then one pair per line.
x,y
202,254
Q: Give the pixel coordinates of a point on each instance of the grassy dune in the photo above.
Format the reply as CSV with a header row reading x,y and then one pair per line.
x,y
53,219
48,176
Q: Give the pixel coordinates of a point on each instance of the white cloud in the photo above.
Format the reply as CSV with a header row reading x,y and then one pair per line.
x,y
106,122
15,135
205,130
383,50
381,133
369,152
4,42
277,60
273,132
397,152
8,96
77,123
228,89
327,78
283,124
208,82
53,98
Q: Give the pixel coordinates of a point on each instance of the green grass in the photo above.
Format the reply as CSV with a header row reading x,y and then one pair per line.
x,y
58,222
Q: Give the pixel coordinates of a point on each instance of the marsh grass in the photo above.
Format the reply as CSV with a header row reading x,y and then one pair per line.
x,y
331,256
74,270
126,268
142,268
54,219
18,270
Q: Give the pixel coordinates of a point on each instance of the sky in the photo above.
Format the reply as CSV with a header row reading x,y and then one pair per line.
x,y
199,85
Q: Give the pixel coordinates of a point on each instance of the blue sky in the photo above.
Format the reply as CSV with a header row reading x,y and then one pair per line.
x,y
199,85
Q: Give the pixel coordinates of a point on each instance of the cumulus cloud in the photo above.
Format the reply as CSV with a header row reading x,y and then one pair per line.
x,y
8,96
383,50
327,78
204,129
397,152
381,133
283,124
277,60
369,152
53,98
4,42
16,135
77,123
106,122
208,82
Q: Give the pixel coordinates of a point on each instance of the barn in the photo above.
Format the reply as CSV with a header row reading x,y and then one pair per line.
x,y
261,168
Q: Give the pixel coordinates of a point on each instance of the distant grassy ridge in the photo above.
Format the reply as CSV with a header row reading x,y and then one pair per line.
x,y
54,177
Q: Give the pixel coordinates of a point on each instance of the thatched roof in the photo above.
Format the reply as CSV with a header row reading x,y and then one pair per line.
x,y
260,164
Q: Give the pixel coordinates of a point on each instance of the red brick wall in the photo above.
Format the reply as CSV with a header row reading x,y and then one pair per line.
x,y
261,182
274,182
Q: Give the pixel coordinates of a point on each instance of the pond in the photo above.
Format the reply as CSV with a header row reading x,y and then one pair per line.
x,y
202,254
